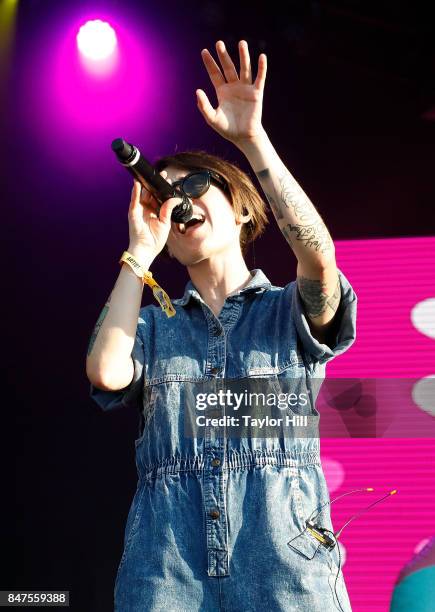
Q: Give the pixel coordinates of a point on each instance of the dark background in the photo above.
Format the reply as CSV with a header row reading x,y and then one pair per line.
x,y
350,107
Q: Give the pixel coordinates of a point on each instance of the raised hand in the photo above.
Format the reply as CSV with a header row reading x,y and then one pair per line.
x,y
238,115
149,226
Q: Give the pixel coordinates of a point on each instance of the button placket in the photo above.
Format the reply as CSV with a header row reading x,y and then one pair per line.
x,y
215,480
216,519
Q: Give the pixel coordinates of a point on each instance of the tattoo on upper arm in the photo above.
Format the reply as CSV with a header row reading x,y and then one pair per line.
x,y
98,324
315,297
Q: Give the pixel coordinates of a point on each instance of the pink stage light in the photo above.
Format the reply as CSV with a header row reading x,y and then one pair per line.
x,y
73,95
96,40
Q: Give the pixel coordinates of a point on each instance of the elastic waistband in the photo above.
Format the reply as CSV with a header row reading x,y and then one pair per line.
x,y
232,461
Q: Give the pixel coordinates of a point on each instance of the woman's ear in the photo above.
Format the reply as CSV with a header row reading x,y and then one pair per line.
x,y
243,218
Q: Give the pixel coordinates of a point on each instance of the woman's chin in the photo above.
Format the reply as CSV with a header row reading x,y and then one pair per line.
x,y
193,254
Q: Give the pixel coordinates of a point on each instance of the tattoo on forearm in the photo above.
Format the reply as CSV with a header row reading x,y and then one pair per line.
x,y
264,178
293,196
314,236
263,175
310,229
287,233
315,297
99,324
274,206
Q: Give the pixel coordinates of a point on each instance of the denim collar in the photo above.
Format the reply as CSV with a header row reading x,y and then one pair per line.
x,y
258,282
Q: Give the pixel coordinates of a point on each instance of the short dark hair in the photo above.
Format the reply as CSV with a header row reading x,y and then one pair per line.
x,y
243,195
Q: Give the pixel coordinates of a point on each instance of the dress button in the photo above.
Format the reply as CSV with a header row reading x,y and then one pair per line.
x,y
216,462
215,370
214,514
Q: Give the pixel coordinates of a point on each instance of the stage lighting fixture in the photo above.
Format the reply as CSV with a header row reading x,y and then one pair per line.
x,y
96,40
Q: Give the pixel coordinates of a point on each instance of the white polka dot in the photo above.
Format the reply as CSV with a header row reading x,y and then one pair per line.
x,y
334,473
423,317
423,394
421,545
343,552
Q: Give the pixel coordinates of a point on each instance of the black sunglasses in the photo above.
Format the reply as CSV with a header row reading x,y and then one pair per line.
x,y
196,183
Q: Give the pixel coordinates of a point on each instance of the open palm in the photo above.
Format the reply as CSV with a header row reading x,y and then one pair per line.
x,y
238,115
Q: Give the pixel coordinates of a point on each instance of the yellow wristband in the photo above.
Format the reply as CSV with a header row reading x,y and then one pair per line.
x,y
147,278
133,263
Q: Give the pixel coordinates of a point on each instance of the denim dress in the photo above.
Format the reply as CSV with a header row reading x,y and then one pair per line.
x,y
217,522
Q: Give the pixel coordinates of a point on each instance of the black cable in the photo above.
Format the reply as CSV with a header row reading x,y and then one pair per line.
x,y
338,569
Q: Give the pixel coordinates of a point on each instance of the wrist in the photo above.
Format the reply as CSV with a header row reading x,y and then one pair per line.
x,y
253,144
258,151
142,254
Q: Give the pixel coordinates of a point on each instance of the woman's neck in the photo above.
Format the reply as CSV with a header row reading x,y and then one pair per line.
x,y
218,277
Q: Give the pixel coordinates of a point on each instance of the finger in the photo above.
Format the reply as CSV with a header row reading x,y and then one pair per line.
x,y
207,110
145,195
164,174
214,72
167,208
150,204
230,71
149,212
261,74
135,196
245,63
148,200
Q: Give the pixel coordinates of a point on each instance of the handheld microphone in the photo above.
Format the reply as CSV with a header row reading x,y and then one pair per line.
x,y
132,159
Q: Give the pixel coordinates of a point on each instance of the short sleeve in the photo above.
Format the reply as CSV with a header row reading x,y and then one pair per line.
x,y
344,324
131,395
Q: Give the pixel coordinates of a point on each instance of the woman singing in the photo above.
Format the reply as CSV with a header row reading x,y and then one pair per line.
x,y
218,522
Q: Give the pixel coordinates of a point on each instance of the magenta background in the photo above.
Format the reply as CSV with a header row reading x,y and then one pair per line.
x,y
346,120
389,277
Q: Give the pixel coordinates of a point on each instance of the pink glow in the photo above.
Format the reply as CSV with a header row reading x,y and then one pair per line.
x,y
91,102
375,553
396,310
96,40
334,473
390,277
75,107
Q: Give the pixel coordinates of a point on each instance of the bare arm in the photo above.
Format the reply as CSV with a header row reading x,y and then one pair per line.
x,y
109,364
320,301
305,232
238,119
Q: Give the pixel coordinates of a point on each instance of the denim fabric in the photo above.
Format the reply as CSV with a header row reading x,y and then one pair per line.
x,y
213,536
